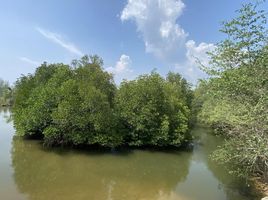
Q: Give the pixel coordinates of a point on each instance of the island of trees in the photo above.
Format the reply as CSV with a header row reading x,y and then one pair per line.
x,y
79,104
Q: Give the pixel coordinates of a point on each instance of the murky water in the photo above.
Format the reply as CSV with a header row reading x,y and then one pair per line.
x,y
30,172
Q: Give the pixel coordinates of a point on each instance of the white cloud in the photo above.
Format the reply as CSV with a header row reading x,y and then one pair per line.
x,y
122,68
195,55
198,52
58,39
30,61
156,21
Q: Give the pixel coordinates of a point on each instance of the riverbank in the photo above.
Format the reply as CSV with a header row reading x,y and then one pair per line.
x,y
260,187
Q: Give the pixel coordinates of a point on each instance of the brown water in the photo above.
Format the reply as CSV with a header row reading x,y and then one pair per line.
x,y
30,172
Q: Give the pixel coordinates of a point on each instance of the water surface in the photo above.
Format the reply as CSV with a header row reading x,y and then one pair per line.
x,y
30,172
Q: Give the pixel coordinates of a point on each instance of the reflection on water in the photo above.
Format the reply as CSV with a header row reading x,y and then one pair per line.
x,y
5,114
8,190
206,179
30,172
81,175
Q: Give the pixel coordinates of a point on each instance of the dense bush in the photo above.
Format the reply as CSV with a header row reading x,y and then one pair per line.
x,y
65,105
80,105
235,99
153,111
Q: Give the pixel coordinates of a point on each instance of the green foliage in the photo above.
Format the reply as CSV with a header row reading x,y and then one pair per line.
x,y
234,100
246,36
153,110
67,106
80,105
245,154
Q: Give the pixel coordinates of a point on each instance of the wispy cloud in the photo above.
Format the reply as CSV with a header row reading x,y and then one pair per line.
x,y
30,61
58,39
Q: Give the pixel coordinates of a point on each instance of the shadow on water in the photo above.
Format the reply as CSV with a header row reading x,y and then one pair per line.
x,y
119,151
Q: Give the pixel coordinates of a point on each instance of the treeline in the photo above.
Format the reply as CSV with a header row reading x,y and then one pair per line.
x,y
234,101
81,105
5,93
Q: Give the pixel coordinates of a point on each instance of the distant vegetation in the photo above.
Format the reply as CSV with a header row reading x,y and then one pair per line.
x,y
5,94
234,101
81,105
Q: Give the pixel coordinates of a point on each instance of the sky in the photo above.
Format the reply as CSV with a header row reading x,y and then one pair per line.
x,y
133,37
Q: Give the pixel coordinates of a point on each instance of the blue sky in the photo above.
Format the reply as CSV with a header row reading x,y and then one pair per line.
x,y
132,36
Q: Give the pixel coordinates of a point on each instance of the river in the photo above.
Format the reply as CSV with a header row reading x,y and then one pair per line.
x,y
28,171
